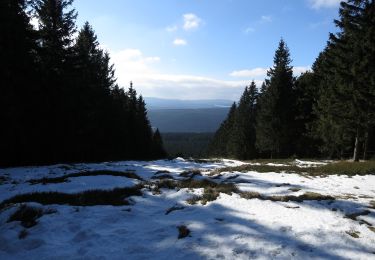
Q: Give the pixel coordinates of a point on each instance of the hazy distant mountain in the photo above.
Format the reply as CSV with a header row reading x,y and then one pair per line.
x,y
200,120
160,103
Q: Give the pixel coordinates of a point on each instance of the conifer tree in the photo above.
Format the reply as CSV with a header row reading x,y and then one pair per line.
x,y
347,104
219,143
241,142
20,95
276,113
158,150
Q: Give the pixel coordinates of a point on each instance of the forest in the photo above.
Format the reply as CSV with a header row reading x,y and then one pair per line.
x,y
328,112
59,100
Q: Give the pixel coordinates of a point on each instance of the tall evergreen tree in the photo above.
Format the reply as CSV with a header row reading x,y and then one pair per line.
x,y
56,27
19,91
219,143
241,142
347,105
275,118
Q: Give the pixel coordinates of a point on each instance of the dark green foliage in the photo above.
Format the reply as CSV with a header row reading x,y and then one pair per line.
x,y
157,149
59,101
187,144
346,68
275,117
115,197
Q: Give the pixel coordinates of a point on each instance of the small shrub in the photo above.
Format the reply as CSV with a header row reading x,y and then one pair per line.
x,y
27,215
372,204
183,231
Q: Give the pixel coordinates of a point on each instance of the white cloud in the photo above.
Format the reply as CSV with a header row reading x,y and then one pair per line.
x,y
191,22
318,4
171,28
301,69
260,73
250,73
265,19
249,30
179,42
133,65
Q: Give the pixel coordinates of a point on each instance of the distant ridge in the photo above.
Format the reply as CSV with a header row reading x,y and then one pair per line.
x,y
160,103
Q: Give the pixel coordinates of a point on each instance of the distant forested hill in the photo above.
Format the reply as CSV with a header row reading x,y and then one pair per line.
x,y
187,120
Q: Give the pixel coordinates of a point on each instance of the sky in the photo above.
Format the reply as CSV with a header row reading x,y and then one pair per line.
x,y
205,49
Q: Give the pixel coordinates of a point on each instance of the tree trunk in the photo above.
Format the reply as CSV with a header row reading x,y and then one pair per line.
x,y
365,144
356,147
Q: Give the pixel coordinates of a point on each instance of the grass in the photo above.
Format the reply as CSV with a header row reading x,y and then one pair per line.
x,y
353,233
64,178
257,168
183,231
286,198
211,189
23,234
191,174
115,197
173,209
27,215
336,168
345,168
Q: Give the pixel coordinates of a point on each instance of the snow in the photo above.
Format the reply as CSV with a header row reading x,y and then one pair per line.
x,y
229,227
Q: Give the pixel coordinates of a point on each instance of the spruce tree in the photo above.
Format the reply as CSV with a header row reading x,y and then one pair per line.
x,y
241,142
20,95
219,144
56,27
347,104
158,150
275,118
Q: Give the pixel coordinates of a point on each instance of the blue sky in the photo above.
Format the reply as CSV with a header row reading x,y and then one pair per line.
x,y
205,49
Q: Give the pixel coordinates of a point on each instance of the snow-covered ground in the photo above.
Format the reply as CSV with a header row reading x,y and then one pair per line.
x,y
229,227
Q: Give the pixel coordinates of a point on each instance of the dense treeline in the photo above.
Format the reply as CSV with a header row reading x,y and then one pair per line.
x,y
59,100
326,112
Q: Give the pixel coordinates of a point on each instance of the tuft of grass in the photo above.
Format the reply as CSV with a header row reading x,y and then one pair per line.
x,y
251,195
345,168
335,168
183,231
115,197
286,198
353,233
23,234
294,189
27,215
162,176
259,168
354,215
191,174
176,207
211,191
64,178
